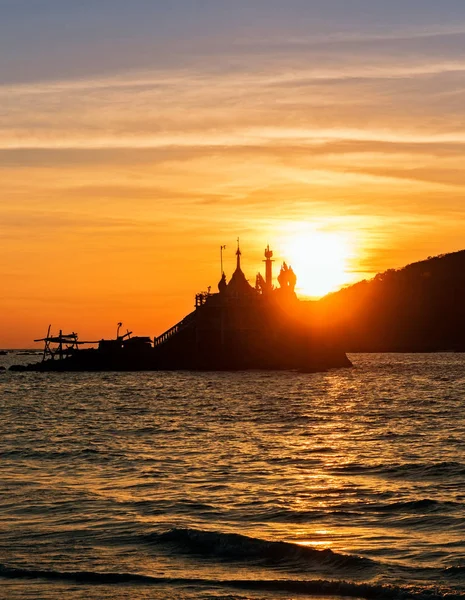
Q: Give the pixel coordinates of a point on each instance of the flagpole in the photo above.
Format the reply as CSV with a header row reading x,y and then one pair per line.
x,y
221,258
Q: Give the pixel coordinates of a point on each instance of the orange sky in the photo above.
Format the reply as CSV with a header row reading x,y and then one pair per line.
x,y
118,188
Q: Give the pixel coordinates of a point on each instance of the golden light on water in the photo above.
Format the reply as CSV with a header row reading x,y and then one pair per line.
x,y
319,258
314,544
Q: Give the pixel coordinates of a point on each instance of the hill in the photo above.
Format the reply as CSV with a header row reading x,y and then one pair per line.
x,y
419,308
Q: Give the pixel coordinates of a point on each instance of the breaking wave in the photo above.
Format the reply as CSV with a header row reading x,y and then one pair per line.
x,y
292,586
236,547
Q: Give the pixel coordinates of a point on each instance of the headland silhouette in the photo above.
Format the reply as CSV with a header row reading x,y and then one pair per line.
x,y
418,308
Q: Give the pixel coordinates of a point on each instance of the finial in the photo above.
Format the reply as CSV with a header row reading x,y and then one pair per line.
x,y
221,257
238,254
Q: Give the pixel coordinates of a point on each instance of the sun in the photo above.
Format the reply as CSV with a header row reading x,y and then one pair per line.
x,y
319,259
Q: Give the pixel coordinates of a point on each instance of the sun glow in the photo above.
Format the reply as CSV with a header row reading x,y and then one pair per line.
x,y
319,259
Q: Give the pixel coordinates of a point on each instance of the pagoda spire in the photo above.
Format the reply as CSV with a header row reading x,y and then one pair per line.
x,y
238,254
238,285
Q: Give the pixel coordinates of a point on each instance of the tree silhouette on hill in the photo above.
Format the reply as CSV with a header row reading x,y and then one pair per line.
x,y
418,308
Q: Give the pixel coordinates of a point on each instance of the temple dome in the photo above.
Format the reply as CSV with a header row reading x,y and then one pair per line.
x,y
238,285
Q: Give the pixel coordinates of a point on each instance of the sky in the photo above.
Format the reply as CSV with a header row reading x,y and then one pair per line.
x,y
138,137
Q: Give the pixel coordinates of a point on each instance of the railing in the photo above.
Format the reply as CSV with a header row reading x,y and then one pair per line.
x,y
164,337
169,333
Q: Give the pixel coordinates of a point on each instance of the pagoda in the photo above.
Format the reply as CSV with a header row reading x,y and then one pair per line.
x,y
248,327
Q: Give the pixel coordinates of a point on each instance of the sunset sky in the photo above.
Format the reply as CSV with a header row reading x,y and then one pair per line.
x,y
136,137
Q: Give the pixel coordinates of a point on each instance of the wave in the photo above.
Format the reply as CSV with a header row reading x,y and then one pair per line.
x,y
233,546
290,586
25,453
423,505
415,470
345,511
457,571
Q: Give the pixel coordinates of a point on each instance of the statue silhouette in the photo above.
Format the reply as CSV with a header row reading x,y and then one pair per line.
x,y
287,278
222,285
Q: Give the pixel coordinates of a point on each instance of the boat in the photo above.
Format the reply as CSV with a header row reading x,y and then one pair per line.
x,y
239,327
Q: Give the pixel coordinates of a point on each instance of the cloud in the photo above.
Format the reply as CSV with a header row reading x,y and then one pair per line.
x,y
359,126
397,103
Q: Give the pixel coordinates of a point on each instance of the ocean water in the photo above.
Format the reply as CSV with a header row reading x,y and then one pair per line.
x,y
244,485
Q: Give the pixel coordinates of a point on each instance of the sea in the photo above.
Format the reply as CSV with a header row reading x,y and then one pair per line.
x,y
235,485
